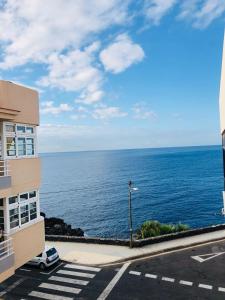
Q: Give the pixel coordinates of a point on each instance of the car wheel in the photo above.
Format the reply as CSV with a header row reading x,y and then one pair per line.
x,y
42,266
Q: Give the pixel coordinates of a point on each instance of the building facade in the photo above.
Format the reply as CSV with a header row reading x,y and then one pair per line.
x,y
21,226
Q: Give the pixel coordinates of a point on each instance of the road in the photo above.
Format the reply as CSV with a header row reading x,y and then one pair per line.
x,y
195,273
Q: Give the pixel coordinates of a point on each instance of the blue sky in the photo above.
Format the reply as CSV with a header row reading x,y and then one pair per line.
x,y
117,74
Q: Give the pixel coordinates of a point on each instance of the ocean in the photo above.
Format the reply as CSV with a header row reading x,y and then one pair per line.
x,y
90,189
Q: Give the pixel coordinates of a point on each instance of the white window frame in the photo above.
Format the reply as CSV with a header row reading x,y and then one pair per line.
x,y
16,134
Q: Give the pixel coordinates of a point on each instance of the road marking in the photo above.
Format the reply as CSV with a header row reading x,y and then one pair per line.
x,y
151,276
205,286
86,268
201,258
135,273
47,273
57,287
11,287
80,274
26,270
221,289
113,282
184,282
168,279
69,280
48,296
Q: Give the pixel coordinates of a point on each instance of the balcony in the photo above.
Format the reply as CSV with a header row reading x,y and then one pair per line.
x,y
6,255
5,178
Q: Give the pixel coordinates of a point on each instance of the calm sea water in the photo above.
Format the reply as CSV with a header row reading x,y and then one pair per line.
x,y
89,189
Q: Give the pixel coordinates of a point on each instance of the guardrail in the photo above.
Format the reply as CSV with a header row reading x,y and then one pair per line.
x,y
4,168
6,248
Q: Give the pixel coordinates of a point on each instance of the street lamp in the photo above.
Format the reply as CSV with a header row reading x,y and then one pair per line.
x,y
130,190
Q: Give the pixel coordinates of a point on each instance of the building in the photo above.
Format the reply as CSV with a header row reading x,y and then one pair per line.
x,y
22,227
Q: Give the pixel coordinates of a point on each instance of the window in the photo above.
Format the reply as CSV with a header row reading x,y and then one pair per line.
x,y
2,219
11,146
14,217
23,197
33,211
1,202
20,129
21,146
32,194
30,146
30,130
10,128
13,200
24,218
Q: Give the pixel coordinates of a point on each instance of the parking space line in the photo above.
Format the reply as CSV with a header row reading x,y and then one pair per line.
x,y
11,287
80,267
48,296
205,286
26,270
184,282
168,279
221,289
79,274
69,280
61,288
153,276
135,273
113,282
47,273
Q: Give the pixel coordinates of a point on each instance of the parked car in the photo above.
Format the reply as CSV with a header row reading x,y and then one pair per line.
x,y
45,259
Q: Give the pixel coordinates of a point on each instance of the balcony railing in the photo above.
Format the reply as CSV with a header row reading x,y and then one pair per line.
x,y
6,248
4,168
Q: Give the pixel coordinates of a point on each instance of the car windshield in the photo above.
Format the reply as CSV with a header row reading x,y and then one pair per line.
x,y
51,252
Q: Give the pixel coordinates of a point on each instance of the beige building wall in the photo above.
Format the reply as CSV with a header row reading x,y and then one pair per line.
x,y
28,243
18,103
222,93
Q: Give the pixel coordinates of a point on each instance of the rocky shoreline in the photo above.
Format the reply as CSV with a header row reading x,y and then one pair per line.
x,y
57,226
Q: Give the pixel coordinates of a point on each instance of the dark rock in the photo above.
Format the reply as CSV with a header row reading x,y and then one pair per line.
x,y
57,226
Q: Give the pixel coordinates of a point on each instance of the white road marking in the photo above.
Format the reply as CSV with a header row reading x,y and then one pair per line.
x,y
80,274
221,289
184,282
48,296
135,273
113,282
205,257
168,279
26,270
205,286
11,287
86,268
151,276
47,273
62,288
69,280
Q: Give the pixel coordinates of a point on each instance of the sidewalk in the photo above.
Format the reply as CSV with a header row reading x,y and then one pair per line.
x,y
95,254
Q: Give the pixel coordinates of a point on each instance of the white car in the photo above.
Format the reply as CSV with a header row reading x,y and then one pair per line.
x,y
46,259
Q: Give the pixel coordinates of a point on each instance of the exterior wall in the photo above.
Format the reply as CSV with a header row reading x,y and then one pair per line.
x,y
18,103
28,243
25,175
222,93
7,274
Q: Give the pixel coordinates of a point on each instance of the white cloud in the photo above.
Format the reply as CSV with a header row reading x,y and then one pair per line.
x,y
142,112
108,112
49,108
34,29
121,54
155,10
201,12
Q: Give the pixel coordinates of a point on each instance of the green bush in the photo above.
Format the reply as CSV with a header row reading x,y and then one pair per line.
x,y
155,228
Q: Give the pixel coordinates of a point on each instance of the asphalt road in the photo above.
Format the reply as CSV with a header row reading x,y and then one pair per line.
x,y
196,273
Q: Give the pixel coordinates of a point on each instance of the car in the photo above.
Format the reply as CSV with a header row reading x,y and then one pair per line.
x,y
45,259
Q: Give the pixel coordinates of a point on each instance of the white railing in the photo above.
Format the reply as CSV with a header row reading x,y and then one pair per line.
x,y
4,168
6,248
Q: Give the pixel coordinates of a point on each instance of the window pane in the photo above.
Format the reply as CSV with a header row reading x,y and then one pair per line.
x,y
24,214
32,194
30,130
33,210
11,146
20,129
1,202
24,197
10,128
21,146
2,219
13,200
30,146
14,217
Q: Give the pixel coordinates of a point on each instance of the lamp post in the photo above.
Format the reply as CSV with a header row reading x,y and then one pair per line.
x,y
130,189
